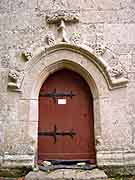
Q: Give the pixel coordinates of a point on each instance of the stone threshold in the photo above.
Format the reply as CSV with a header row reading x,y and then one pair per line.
x,y
94,174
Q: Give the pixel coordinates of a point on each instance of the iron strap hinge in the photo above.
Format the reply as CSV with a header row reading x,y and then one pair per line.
x,y
55,94
56,133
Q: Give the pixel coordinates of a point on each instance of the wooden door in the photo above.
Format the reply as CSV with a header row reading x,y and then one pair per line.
x,y
66,128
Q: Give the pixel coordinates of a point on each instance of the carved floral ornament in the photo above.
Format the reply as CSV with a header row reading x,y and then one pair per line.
x,y
15,78
67,16
116,71
62,17
74,41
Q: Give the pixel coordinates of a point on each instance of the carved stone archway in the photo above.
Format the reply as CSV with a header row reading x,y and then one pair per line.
x,y
108,86
80,59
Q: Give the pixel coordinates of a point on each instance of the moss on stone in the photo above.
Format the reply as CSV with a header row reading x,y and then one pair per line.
x,y
119,171
14,172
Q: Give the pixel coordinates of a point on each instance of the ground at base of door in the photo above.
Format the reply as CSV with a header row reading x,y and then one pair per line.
x,y
62,174
69,174
116,178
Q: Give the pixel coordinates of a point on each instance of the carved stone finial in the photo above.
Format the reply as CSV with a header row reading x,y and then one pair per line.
x,y
116,71
99,49
75,38
50,39
15,78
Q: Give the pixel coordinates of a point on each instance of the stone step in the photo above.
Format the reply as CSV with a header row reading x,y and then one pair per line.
x,y
67,174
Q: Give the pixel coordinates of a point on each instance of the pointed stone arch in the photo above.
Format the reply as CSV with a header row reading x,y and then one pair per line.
x,y
84,51
80,59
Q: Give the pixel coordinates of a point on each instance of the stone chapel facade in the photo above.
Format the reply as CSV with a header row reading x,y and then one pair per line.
x,y
95,39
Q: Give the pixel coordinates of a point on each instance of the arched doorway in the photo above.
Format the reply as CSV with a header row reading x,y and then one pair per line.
x,y
104,88
66,125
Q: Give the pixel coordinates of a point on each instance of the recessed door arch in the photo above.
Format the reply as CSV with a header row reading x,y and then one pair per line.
x,y
66,125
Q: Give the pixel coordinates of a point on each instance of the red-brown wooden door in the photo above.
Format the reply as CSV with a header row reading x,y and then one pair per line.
x,y
67,114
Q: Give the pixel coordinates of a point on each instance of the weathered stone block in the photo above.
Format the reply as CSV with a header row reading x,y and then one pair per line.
x,y
119,33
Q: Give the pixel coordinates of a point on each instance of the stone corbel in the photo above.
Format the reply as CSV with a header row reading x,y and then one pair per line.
x,y
15,78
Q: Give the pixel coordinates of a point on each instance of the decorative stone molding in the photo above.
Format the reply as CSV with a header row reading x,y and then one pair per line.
x,y
62,32
61,17
50,39
114,75
114,79
80,59
116,71
67,16
99,49
27,53
33,52
15,78
75,38
115,158
5,61
10,160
